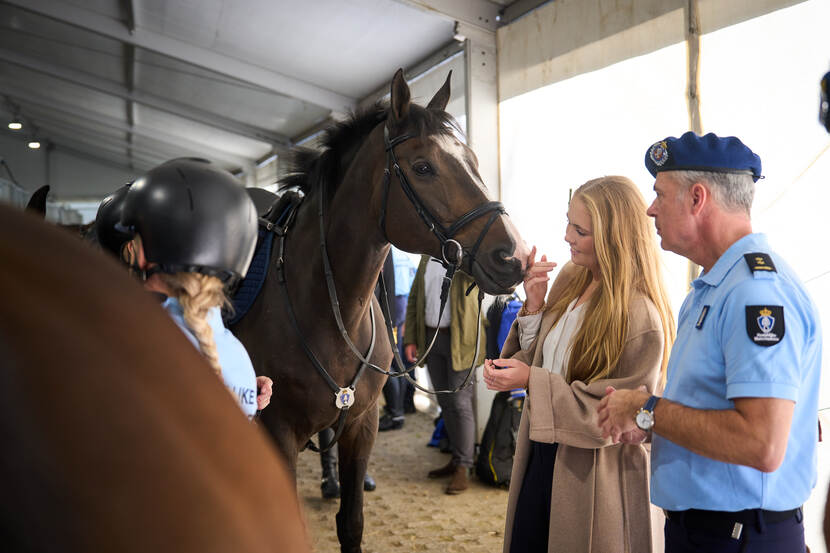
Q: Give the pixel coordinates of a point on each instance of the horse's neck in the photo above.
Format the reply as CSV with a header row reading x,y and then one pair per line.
x,y
355,246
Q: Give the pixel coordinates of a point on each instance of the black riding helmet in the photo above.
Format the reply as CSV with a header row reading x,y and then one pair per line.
x,y
108,234
193,217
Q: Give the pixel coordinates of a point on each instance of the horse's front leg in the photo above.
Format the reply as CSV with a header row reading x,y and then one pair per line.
x,y
354,448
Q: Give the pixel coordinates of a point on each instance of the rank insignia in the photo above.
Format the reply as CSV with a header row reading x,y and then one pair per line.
x,y
659,153
760,262
765,324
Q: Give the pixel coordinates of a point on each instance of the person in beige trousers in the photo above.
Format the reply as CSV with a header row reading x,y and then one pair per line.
x,y
606,322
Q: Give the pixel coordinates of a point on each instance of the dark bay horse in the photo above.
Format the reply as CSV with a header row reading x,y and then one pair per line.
x,y
363,214
115,433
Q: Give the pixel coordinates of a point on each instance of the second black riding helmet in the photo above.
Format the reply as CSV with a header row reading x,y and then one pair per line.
x,y
193,217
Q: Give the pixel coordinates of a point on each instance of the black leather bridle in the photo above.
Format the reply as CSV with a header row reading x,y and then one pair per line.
x,y
445,235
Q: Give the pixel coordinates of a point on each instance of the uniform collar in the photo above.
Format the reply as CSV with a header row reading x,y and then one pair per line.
x,y
755,242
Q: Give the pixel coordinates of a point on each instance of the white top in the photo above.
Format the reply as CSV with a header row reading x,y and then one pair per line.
x,y
433,277
556,350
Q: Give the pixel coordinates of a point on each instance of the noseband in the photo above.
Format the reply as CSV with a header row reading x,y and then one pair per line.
x,y
445,235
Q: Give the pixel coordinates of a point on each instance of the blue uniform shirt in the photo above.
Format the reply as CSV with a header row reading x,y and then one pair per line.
x,y
237,369
743,333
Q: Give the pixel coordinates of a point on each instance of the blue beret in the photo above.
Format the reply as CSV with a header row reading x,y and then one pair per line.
x,y
710,153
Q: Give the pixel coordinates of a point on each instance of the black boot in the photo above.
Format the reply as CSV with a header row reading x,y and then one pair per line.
x,y
369,484
329,483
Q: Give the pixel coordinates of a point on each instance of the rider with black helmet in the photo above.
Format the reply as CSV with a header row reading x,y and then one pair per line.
x,y
107,222
194,230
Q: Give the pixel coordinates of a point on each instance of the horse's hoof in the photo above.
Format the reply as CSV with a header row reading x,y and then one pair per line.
x,y
369,483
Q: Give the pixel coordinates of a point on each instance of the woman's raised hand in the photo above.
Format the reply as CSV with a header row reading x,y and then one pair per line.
x,y
536,281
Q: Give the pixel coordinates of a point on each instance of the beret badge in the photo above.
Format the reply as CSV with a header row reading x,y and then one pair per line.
x,y
658,153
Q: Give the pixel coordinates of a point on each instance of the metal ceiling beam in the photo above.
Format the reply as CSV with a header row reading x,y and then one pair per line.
x,y
195,55
72,136
477,13
63,110
69,147
129,78
157,102
519,8
113,143
447,51
129,14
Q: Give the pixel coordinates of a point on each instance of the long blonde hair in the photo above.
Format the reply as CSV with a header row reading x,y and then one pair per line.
x,y
197,294
629,263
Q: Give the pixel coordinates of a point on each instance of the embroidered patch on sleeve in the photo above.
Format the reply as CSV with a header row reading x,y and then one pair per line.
x,y
760,262
765,324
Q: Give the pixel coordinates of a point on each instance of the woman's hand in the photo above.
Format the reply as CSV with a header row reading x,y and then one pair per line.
x,y
536,281
503,375
265,388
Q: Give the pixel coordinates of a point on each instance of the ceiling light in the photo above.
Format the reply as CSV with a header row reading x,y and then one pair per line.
x,y
15,124
34,144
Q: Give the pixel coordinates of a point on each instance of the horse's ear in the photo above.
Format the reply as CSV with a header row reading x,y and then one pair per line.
x,y
442,97
399,108
37,202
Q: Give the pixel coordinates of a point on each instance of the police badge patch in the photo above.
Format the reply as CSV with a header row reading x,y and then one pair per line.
x,y
659,153
765,324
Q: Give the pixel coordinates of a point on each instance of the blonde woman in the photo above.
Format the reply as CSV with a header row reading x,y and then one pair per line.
x,y
606,322
194,231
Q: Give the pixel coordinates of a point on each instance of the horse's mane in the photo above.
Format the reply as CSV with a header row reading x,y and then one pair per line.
x,y
341,141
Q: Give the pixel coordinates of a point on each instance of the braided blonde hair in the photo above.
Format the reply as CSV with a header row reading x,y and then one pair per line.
x,y
197,294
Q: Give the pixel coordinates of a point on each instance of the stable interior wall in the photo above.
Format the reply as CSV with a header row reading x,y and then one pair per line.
x,y
565,38
586,87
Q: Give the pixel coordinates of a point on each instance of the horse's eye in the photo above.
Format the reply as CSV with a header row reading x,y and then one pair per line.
x,y
423,168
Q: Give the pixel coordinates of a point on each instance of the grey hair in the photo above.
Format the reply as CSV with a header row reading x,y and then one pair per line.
x,y
732,191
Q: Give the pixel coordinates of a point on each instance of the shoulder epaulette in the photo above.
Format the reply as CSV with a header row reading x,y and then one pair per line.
x,y
760,262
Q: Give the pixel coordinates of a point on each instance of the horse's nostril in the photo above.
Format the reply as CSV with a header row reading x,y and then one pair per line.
x,y
508,266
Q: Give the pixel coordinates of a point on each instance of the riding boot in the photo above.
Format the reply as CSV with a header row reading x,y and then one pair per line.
x,y
369,484
329,483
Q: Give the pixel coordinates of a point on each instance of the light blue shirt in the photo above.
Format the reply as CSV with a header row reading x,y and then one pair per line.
x,y
404,272
237,369
730,344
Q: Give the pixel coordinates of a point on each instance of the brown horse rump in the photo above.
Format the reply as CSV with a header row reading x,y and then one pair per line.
x,y
116,435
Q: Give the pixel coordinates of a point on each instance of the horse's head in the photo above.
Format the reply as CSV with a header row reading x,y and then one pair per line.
x,y
435,201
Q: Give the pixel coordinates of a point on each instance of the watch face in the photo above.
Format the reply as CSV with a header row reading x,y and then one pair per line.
x,y
644,420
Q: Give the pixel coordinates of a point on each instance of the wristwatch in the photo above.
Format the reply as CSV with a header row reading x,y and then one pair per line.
x,y
645,416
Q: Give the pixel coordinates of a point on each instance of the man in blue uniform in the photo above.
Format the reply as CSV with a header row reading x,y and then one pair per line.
x,y
735,434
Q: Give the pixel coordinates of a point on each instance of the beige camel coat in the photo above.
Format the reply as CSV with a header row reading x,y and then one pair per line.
x,y
600,495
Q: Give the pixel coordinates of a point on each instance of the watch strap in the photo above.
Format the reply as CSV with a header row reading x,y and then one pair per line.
x,y
651,404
